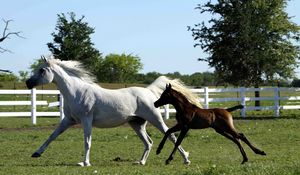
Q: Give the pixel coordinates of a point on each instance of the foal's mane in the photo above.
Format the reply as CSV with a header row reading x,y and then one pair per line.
x,y
73,68
181,88
180,97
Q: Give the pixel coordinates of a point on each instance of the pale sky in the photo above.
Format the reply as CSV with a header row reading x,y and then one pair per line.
x,y
155,30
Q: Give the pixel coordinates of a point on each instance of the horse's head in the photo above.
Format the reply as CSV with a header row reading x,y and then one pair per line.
x,y
42,75
165,97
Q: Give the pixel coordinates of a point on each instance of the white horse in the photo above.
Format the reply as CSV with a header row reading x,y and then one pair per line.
x,y
87,103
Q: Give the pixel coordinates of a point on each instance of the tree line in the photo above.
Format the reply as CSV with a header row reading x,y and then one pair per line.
x,y
249,43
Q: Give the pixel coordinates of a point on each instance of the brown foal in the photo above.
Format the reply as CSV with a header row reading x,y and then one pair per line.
x,y
189,116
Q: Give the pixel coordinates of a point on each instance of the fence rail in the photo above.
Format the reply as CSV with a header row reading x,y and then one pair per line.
x,y
33,103
207,96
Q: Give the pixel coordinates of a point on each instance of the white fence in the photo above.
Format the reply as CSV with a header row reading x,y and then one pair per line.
x,y
33,103
206,96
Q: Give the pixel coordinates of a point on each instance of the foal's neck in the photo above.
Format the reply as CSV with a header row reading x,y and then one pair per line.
x,y
180,102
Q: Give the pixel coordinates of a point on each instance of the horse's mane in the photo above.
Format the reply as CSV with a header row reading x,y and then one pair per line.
x,y
74,68
160,83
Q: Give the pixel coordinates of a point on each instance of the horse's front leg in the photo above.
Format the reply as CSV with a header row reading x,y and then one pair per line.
x,y
87,129
64,124
182,134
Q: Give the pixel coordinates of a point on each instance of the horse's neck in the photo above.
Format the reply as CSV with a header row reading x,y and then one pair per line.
x,y
65,83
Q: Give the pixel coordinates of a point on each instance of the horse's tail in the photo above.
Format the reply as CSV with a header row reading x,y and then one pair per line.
x,y
235,108
159,85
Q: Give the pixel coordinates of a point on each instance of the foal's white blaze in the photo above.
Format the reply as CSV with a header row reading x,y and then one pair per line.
x,y
87,103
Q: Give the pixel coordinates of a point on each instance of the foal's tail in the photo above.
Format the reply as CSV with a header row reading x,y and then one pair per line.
x,y
235,108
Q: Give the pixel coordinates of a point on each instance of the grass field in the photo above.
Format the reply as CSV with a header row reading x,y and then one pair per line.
x,y
210,153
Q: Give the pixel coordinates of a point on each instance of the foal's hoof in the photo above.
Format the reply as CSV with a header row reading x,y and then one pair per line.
x,y
157,152
36,154
262,153
244,161
168,162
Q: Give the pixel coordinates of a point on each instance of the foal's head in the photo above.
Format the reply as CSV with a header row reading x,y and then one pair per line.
x,y
166,97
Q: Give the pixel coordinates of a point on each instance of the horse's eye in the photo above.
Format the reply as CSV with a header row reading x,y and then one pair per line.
x,y
42,70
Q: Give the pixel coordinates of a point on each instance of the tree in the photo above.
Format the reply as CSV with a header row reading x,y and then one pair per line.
x,y
4,77
24,75
248,41
34,66
119,68
72,42
6,34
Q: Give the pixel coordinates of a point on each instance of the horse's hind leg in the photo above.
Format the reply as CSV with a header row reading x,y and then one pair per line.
x,y
139,126
254,149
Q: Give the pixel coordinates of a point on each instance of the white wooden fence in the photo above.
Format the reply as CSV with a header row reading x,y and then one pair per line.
x,y
33,103
206,96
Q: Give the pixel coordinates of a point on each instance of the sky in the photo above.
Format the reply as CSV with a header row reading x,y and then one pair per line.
x,y
154,30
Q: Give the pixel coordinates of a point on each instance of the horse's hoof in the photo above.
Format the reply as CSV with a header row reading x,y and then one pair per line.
x,y
157,152
139,163
36,154
82,164
187,162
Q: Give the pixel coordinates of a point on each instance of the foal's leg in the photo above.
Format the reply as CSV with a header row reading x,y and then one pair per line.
x,y
167,134
234,138
182,134
64,124
155,118
139,126
256,150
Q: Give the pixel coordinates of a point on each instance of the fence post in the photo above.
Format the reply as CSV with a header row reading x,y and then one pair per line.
x,y
167,112
276,102
206,98
33,106
243,101
61,107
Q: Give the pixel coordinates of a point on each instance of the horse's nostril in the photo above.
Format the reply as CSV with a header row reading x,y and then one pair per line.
x,y
29,84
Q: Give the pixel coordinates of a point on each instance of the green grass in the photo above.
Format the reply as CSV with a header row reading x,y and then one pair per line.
x,y
210,153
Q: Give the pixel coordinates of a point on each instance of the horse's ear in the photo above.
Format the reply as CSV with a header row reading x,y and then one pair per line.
x,y
43,58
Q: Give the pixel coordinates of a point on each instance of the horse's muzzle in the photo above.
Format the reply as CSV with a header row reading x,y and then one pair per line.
x,y
30,84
